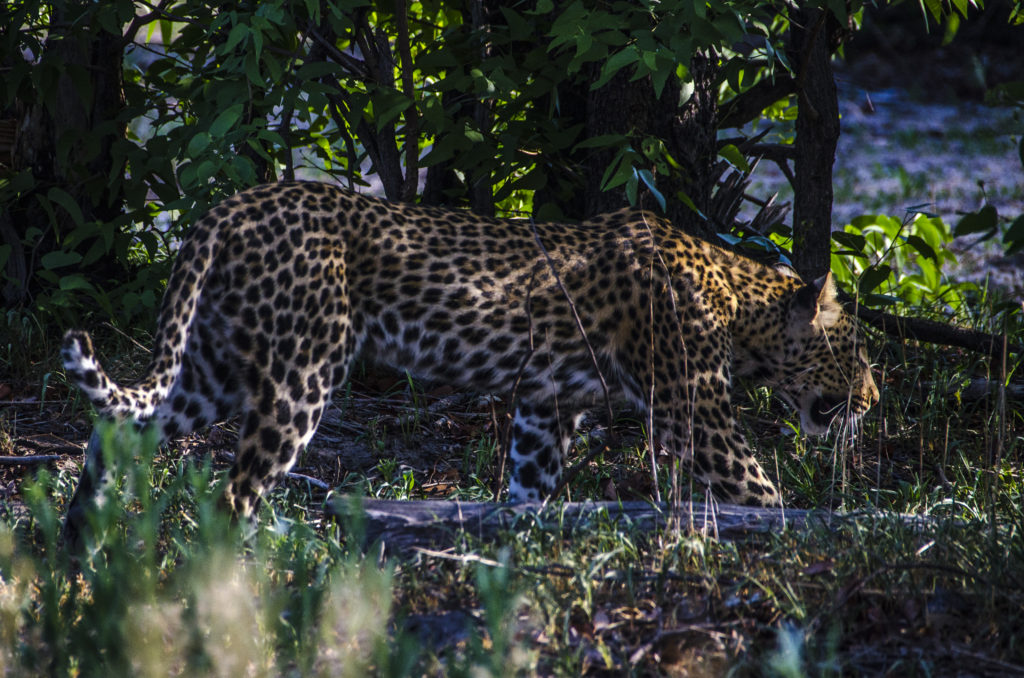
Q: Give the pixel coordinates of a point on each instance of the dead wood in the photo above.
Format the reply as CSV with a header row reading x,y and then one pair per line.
x,y
934,332
977,388
402,526
30,459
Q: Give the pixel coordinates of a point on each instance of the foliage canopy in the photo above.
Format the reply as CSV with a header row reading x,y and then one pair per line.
x,y
132,118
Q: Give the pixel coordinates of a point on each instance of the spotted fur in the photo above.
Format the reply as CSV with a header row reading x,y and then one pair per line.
x,y
278,289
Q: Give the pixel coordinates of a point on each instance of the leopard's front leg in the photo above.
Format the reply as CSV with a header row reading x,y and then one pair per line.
x,y
697,424
723,460
682,370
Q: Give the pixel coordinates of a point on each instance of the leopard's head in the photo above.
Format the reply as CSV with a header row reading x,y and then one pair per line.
x,y
825,375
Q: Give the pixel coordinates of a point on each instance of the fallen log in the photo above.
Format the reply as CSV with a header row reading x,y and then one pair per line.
x,y
30,459
402,526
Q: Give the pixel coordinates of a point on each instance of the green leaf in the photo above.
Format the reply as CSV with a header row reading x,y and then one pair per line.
x,y
922,247
519,28
875,300
75,281
187,179
863,221
838,9
659,76
245,170
985,219
64,199
1014,236
614,64
631,186
271,137
224,122
252,70
273,67
649,60
18,183
735,157
98,249
648,179
54,260
206,169
873,276
313,9
197,144
617,173
389,114
853,241
237,35
688,201
260,150
318,69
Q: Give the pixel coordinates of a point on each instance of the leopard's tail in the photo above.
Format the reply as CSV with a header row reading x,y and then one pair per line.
x,y
188,275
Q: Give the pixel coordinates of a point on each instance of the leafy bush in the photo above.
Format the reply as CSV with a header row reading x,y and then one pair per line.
x,y
889,261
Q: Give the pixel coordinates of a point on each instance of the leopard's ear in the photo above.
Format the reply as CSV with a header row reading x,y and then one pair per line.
x,y
816,303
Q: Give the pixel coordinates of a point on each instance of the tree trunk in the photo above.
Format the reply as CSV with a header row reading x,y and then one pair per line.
x,y
630,107
61,146
692,141
441,182
817,133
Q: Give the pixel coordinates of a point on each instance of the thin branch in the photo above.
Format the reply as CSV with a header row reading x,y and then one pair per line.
x,y
354,66
285,128
315,482
748,105
434,524
139,21
773,152
569,474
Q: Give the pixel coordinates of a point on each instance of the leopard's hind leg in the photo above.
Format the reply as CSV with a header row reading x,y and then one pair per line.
x,y
205,389
204,392
287,380
274,429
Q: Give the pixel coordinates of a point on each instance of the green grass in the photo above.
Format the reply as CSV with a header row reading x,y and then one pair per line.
x,y
171,587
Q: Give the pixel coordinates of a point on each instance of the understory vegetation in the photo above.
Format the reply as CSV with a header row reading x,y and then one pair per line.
x,y
919,572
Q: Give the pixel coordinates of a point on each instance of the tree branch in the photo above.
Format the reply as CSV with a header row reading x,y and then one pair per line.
x,y
748,105
354,66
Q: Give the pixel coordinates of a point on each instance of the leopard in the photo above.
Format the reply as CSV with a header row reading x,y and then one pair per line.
x,y
277,291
